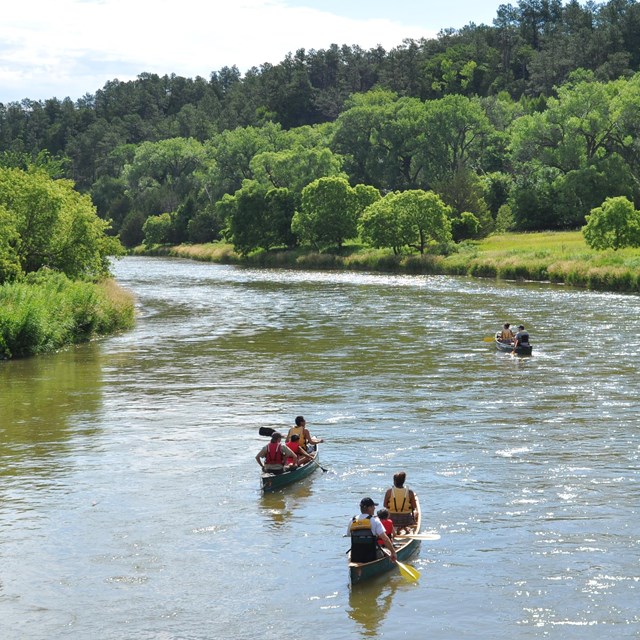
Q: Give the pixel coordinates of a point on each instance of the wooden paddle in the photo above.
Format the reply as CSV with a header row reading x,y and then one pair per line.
x,y
418,536
268,431
489,339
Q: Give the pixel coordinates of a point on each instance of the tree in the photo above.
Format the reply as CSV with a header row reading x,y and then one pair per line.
x,y
582,150
407,219
294,169
163,174
56,226
613,225
246,217
355,136
157,229
327,214
465,226
9,238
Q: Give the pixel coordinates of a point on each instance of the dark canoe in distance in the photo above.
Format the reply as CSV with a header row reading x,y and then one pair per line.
x,y
507,347
359,571
273,481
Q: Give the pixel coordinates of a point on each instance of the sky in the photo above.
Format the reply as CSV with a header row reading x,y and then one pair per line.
x,y
68,48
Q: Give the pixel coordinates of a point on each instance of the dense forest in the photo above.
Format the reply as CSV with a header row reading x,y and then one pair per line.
x,y
526,124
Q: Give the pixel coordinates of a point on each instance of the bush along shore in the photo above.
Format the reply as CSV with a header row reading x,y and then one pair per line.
x,y
558,257
47,311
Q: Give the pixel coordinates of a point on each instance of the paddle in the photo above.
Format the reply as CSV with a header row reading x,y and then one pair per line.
x,y
268,431
489,339
418,536
408,573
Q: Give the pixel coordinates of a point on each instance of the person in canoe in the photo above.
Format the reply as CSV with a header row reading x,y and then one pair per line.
x,y
506,335
364,530
401,503
387,523
521,338
294,445
307,441
275,455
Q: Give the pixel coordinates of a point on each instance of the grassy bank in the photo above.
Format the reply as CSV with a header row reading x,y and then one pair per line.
x,y
47,312
560,257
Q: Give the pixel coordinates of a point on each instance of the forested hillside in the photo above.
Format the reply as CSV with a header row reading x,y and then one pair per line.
x,y
526,124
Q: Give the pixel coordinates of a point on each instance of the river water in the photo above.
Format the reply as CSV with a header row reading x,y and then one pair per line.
x,y
130,503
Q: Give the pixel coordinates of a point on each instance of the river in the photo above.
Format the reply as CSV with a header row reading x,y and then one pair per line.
x,y
130,505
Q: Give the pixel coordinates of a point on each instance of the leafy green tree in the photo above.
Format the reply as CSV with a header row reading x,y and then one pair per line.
x,y
280,208
464,193
57,227
163,174
246,217
584,141
131,234
327,214
365,195
412,219
457,134
613,225
205,226
380,226
157,229
229,157
356,136
465,226
10,267
295,168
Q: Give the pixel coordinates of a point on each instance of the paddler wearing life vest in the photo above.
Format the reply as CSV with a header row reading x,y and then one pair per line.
x,y
365,530
275,455
401,502
307,441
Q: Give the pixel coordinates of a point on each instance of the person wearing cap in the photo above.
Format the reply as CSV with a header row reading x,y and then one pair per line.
x,y
521,338
307,441
365,529
401,502
275,455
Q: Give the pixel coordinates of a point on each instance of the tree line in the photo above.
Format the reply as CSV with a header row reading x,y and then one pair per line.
x,y
526,124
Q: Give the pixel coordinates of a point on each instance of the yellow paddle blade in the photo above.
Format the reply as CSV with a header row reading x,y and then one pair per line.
x,y
489,339
407,572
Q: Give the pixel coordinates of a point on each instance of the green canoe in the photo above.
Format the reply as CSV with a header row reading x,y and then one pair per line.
x,y
359,571
273,482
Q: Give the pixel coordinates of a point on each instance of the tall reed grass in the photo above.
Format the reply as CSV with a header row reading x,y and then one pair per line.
x,y
48,311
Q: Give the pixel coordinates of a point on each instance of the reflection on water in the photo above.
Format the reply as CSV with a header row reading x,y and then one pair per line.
x,y
274,507
369,603
43,402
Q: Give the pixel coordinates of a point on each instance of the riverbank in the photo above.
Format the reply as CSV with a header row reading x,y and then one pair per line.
x,y
48,312
559,257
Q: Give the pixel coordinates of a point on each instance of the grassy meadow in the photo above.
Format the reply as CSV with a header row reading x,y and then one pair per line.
x,y
560,257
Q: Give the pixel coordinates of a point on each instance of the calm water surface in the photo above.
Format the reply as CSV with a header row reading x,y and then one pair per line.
x,y
130,504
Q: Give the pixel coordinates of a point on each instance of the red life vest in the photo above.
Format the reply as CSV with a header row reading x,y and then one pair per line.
x,y
294,446
274,453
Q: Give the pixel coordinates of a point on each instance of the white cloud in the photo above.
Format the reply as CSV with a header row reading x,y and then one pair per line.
x,y
72,47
